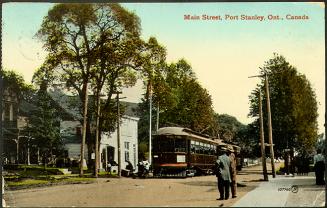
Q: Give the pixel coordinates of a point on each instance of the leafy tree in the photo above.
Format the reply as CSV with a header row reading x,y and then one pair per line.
x,y
192,103
91,43
15,83
233,131
14,90
44,125
184,102
293,106
228,126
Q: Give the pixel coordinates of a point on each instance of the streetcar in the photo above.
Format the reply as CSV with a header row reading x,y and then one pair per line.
x,y
182,152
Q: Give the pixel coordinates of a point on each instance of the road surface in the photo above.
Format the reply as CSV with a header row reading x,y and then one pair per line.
x,y
189,192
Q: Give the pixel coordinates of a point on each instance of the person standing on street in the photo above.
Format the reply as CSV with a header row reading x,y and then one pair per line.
x,y
223,165
233,171
319,166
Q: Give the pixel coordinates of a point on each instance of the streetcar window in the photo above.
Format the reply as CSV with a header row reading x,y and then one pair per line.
x,y
200,147
212,149
207,150
197,149
180,145
167,145
192,142
192,148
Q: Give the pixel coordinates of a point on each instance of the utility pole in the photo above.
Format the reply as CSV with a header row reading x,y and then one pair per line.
x,y
158,110
262,139
269,124
150,124
270,129
118,134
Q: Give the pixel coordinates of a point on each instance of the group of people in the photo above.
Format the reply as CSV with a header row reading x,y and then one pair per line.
x,y
225,169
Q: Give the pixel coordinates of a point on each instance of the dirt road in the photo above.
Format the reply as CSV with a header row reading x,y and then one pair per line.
x,y
118,192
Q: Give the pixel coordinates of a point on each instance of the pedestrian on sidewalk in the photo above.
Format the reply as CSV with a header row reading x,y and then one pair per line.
x,y
319,166
233,170
222,167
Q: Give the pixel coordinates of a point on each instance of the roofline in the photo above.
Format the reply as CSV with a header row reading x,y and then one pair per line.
x,y
194,134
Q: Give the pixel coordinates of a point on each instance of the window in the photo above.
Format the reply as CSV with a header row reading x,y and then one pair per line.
x,y
192,146
180,145
167,145
126,144
126,156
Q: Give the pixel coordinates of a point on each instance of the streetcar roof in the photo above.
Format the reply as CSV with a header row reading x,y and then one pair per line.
x,y
179,131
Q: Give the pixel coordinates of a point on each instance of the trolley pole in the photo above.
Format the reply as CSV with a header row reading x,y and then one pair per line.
x,y
262,139
270,129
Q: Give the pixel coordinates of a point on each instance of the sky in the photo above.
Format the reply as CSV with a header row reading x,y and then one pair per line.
x,y
223,53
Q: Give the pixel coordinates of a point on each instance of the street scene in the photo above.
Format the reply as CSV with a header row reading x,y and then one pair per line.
x,y
193,192
163,104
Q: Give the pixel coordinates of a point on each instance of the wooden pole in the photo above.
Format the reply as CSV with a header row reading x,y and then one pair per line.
x,y
270,129
262,138
118,135
150,126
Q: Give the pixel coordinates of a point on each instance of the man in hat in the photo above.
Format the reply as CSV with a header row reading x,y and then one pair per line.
x,y
232,170
223,165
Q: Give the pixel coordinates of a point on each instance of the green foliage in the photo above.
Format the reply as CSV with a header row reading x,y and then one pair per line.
x,y
181,99
92,47
16,86
27,182
143,149
245,136
293,106
44,126
229,126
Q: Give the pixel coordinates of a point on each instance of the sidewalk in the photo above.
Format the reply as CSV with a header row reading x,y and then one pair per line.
x,y
285,191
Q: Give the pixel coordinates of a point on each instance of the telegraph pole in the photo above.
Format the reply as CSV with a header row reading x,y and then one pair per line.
x,y
270,129
150,124
262,139
118,134
158,110
269,124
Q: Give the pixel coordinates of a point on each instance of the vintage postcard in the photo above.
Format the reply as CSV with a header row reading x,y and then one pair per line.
x,y
191,104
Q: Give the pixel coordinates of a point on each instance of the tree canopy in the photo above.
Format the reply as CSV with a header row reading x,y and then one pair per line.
x,y
293,106
92,47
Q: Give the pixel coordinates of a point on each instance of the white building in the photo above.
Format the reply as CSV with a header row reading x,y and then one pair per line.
x,y
71,132
128,144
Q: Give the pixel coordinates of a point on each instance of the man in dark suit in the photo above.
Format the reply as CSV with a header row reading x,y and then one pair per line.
x,y
223,165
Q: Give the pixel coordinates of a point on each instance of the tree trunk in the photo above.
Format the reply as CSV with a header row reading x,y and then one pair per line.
x,y
97,129
85,104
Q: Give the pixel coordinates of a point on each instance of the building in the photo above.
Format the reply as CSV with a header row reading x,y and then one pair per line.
x,y
128,144
10,126
71,133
